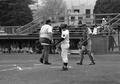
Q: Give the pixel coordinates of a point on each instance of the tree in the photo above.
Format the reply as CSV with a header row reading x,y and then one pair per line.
x,y
15,12
107,6
52,8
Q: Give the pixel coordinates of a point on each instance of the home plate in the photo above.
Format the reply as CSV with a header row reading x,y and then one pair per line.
x,y
23,68
19,68
60,67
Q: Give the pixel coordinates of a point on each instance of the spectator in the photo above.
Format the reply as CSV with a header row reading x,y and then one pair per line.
x,y
112,43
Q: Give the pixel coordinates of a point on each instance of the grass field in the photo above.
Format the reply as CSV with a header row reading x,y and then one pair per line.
x,y
26,69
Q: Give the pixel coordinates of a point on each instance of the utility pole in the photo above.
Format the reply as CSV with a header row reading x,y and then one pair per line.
x,y
118,37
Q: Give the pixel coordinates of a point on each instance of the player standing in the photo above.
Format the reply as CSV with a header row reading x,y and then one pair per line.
x,y
64,41
45,40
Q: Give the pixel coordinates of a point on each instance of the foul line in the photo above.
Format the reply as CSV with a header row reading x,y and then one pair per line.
x,y
8,69
18,68
35,66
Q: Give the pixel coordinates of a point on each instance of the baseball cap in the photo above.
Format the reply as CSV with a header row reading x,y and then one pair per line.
x,y
48,21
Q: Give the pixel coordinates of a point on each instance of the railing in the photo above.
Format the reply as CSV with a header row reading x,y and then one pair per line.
x,y
33,26
114,20
28,28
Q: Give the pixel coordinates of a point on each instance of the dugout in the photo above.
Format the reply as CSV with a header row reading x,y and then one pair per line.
x,y
16,43
100,44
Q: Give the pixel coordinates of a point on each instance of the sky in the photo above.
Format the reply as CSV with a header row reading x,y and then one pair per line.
x,y
77,2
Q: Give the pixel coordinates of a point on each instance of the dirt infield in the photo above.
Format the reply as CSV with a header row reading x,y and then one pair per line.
x,y
26,69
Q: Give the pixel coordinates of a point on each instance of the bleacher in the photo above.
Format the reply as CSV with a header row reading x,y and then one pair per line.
x,y
30,31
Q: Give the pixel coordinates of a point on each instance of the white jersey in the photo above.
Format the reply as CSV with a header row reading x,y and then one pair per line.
x,y
96,30
65,35
46,31
89,30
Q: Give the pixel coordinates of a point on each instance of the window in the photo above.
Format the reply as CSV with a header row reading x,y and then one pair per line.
x,y
80,18
88,13
76,10
72,18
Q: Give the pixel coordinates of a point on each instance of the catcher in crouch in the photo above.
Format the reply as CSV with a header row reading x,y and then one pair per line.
x,y
85,46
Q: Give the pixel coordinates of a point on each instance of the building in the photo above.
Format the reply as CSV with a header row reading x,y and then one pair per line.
x,y
77,10
80,11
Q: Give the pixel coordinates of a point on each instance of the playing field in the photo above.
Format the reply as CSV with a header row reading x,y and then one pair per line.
x,y
26,69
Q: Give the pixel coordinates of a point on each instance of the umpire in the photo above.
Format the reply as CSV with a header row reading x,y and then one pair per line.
x,y
45,40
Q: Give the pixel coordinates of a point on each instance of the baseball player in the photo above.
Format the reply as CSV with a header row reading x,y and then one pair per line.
x,y
85,46
64,41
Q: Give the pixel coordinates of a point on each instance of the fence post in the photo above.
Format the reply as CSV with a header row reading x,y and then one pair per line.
x,y
118,39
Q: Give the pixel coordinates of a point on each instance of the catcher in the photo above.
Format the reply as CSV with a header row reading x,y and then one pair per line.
x,y
85,46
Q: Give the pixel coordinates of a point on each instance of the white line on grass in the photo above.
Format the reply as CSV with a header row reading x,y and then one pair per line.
x,y
5,65
35,66
10,69
18,68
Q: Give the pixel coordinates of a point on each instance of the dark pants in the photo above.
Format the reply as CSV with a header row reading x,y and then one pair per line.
x,y
45,53
111,47
83,52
